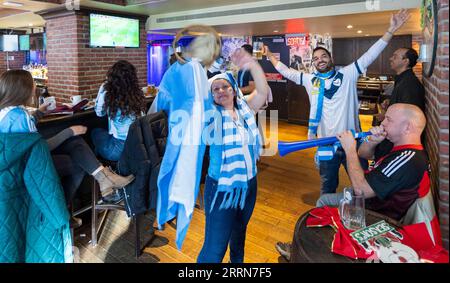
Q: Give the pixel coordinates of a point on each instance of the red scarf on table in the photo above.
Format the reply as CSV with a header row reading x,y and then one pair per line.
x,y
416,236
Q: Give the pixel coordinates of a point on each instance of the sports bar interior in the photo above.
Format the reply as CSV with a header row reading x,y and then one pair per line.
x,y
66,46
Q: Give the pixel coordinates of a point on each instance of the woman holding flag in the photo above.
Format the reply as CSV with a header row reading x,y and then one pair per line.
x,y
230,187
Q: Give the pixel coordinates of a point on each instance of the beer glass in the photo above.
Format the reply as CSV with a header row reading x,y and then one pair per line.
x,y
352,210
258,49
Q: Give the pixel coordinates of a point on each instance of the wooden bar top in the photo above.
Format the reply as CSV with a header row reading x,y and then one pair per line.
x,y
50,125
52,118
66,117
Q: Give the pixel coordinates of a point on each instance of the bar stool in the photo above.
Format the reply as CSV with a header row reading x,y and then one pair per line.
x,y
96,226
95,207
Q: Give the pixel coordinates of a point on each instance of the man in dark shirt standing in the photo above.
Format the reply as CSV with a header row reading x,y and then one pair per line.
x,y
407,87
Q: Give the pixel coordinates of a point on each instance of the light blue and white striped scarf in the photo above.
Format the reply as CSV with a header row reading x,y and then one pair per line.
x,y
233,171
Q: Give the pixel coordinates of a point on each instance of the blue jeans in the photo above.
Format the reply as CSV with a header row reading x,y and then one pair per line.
x,y
329,171
225,226
107,146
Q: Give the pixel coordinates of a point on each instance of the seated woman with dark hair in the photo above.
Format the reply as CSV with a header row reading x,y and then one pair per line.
x,y
121,98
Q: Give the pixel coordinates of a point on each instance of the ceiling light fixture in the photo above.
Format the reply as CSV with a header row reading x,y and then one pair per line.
x,y
359,31
30,24
137,3
275,30
12,4
349,26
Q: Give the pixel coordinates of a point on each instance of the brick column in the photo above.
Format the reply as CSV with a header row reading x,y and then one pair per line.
x,y
62,56
73,67
436,144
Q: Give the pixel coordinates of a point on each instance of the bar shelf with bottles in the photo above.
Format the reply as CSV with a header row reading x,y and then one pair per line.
x,y
39,74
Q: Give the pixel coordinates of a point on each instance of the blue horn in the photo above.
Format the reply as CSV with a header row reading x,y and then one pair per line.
x,y
288,147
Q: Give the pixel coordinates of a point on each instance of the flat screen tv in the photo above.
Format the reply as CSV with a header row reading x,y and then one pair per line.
x,y
10,42
24,42
112,31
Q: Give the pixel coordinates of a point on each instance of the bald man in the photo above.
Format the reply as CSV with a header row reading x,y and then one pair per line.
x,y
393,183
398,177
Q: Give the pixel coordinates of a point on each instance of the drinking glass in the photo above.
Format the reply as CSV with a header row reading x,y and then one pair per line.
x,y
352,210
258,50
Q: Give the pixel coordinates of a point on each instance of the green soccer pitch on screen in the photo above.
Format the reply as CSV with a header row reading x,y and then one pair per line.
x,y
111,31
24,42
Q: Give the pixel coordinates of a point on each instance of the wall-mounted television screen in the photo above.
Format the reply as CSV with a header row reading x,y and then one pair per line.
x,y
10,42
112,31
24,42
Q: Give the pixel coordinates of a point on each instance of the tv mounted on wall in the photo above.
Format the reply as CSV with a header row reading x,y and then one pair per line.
x,y
9,42
113,31
24,42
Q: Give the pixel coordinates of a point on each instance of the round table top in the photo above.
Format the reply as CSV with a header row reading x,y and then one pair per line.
x,y
313,244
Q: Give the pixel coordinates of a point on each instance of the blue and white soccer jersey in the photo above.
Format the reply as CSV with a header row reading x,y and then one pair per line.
x,y
340,103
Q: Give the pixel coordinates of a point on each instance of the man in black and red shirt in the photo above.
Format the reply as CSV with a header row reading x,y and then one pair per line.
x,y
392,185
399,176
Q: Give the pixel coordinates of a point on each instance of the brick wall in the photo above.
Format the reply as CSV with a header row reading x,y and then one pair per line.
x,y
437,104
76,69
62,56
17,63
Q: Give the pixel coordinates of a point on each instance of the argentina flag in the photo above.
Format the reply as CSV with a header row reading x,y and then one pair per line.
x,y
182,95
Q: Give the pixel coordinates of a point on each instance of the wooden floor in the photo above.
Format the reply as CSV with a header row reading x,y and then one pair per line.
x,y
287,187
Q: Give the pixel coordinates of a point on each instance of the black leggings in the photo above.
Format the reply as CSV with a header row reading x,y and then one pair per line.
x,y
73,159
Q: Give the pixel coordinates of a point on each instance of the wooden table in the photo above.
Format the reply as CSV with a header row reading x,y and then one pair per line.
x,y
313,244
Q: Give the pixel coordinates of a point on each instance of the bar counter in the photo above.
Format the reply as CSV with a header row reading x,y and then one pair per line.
x,y
50,125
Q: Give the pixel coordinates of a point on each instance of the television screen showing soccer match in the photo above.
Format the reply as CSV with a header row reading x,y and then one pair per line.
x,y
112,31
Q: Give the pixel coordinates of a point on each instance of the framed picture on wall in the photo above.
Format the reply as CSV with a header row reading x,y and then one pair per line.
x,y
429,26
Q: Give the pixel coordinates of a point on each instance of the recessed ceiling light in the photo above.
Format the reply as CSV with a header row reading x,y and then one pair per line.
x,y
359,31
349,26
30,24
367,34
275,30
13,4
